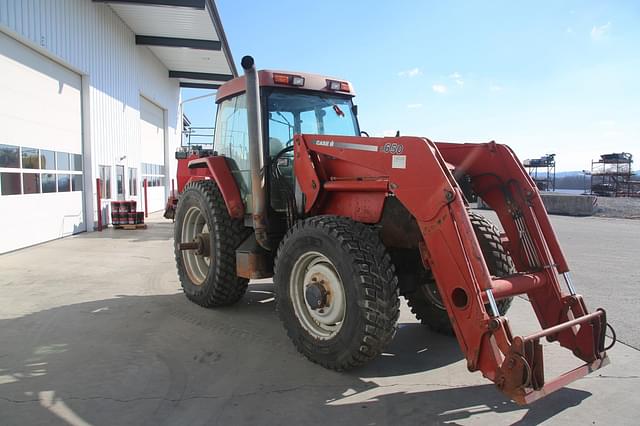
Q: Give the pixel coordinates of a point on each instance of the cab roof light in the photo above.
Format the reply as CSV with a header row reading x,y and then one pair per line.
x,y
289,80
341,86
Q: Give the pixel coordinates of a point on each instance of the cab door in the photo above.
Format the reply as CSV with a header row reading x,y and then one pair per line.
x,y
232,141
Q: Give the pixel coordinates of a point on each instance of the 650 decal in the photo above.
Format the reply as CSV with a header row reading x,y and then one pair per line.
x,y
393,148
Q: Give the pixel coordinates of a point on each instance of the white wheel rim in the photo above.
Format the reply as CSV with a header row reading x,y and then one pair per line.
x,y
323,323
197,266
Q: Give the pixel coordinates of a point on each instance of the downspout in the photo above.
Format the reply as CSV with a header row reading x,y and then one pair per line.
x,y
256,155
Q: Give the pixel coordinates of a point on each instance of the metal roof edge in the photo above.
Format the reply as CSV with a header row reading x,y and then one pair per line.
x,y
217,22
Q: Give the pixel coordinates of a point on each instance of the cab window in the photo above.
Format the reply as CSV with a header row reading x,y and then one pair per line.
x,y
232,140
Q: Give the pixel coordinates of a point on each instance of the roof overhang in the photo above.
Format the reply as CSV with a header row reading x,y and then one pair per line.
x,y
186,35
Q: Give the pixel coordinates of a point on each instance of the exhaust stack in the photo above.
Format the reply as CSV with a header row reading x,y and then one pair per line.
x,y
256,155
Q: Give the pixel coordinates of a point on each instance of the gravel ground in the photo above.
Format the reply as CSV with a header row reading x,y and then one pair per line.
x,y
620,207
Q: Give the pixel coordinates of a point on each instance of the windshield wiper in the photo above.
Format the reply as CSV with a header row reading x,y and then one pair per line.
x,y
338,111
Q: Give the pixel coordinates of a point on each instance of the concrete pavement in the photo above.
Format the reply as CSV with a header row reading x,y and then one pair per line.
x,y
604,255
94,330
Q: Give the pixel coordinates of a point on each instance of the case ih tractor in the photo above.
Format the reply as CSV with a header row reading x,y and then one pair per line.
x,y
345,224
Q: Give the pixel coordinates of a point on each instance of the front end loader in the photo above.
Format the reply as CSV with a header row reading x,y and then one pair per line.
x,y
346,223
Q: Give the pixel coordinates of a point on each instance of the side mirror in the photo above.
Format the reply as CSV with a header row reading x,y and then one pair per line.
x,y
182,155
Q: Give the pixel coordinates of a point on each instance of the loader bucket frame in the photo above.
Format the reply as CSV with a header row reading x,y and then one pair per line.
x,y
418,172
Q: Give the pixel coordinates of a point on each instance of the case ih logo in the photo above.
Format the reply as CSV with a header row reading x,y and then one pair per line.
x,y
346,145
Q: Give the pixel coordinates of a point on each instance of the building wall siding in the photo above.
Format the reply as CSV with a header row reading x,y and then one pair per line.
x,y
92,40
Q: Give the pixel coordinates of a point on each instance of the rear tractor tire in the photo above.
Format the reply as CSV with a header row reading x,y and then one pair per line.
x,y
426,303
336,291
207,270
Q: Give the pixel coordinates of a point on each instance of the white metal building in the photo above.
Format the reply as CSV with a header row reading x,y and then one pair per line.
x,y
91,89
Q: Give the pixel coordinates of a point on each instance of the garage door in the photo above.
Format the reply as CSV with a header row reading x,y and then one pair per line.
x,y
152,144
40,148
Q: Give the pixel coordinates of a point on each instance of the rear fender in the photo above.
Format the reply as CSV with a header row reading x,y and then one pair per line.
x,y
217,169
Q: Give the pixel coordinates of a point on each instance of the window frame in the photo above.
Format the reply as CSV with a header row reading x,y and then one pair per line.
x,y
42,183
120,184
4,176
132,179
38,182
18,158
46,177
227,127
38,158
105,181
153,174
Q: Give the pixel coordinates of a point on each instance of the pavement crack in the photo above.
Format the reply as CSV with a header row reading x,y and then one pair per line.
x,y
626,344
17,401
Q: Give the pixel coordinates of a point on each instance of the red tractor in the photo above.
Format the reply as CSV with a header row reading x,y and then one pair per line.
x,y
346,223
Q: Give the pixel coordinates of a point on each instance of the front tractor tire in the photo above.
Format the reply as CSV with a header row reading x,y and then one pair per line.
x,y
336,291
205,241
425,302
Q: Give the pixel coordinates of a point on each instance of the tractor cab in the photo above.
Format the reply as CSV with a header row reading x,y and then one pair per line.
x,y
292,103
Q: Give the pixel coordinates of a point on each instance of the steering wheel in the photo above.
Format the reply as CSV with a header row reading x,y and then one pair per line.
x,y
282,152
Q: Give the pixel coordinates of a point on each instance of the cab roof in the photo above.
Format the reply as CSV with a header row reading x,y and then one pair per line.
x,y
313,82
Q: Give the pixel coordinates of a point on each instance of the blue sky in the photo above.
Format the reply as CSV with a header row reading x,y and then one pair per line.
x,y
543,77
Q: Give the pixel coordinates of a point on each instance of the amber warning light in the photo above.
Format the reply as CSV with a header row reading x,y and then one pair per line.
x,y
290,80
342,86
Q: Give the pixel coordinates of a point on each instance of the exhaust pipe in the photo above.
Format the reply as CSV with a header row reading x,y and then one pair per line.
x,y
256,154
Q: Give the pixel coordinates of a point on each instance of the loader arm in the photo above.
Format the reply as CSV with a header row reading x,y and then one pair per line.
x,y
352,176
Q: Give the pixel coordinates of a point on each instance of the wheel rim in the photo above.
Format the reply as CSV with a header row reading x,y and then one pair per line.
x,y
313,269
430,291
196,265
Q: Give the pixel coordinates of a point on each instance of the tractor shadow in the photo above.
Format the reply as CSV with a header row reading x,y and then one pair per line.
x,y
414,348
160,359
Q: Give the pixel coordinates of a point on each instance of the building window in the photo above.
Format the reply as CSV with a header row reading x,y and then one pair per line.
x,y
153,174
47,160
9,156
133,182
105,181
120,182
48,182
64,183
10,184
30,158
31,183
25,181
76,182
62,161
76,162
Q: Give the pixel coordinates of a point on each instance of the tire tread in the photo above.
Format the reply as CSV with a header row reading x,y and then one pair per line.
x,y
380,306
498,261
224,287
